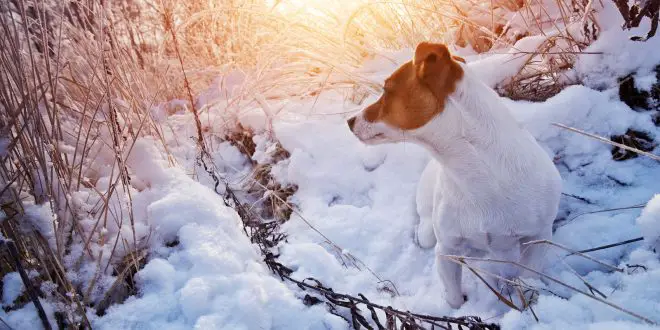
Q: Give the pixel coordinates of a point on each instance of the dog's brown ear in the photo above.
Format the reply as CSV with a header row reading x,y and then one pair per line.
x,y
430,59
436,67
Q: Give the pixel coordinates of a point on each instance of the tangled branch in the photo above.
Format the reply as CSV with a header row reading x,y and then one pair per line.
x,y
266,235
633,15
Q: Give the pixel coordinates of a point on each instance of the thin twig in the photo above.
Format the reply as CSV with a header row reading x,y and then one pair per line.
x,y
499,296
584,281
580,198
545,241
5,323
611,245
619,308
610,142
638,206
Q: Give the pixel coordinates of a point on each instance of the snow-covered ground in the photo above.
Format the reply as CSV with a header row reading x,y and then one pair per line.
x,y
362,199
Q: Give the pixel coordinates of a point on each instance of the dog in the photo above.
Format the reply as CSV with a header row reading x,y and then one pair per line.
x,y
489,187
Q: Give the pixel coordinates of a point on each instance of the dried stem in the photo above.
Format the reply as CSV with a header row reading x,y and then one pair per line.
x,y
610,142
619,308
573,252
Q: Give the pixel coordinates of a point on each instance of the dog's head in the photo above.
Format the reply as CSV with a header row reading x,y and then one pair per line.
x,y
413,95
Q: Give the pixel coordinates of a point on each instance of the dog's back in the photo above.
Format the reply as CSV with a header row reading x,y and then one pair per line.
x,y
494,177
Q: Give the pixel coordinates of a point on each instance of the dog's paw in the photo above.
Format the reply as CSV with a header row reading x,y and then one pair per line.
x,y
456,301
424,239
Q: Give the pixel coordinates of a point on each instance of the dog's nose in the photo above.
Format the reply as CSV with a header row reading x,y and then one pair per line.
x,y
351,123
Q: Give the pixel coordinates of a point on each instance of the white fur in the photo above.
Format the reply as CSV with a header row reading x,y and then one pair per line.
x,y
488,188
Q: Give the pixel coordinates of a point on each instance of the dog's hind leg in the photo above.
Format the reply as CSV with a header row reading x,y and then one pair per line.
x,y
450,274
535,256
424,234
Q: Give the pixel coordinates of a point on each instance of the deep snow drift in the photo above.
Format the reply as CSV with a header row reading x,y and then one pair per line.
x,y
362,198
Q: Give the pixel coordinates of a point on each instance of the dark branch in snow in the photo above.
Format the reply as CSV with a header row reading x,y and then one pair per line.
x,y
633,15
612,245
266,235
31,290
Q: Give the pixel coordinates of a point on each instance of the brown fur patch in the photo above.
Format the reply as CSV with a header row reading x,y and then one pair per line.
x,y
416,92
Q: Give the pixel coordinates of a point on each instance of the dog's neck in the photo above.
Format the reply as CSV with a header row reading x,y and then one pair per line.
x,y
474,122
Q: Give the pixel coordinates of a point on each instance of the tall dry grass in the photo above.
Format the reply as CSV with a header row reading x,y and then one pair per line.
x,y
79,79
75,95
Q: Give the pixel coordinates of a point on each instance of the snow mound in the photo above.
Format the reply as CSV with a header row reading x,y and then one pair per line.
x,y
649,223
12,287
213,277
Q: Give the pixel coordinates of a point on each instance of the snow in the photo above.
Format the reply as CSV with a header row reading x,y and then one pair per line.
x,y
645,81
362,198
42,219
649,223
614,54
12,288
213,278
203,272
493,69
26,317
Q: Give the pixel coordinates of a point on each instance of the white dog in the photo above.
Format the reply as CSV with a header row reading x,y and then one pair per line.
x,y
489,188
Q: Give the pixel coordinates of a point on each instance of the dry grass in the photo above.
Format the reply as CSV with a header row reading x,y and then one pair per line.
x,y
74,100
523,289
268,196
568,31
289,51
